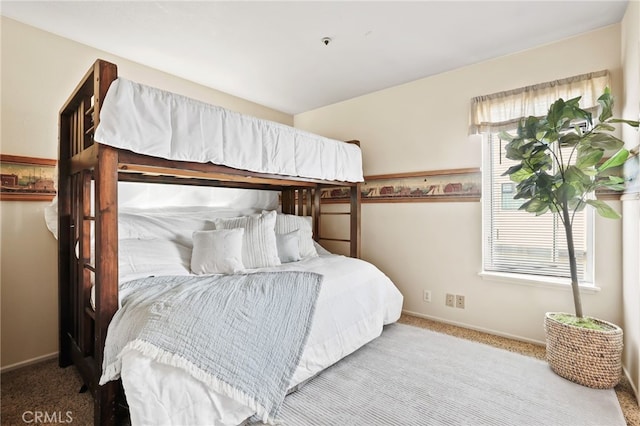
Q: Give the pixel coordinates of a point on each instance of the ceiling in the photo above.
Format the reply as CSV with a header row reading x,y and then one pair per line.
x,y
272,52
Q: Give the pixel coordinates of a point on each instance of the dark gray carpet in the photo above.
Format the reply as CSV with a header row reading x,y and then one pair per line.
x,y
413,376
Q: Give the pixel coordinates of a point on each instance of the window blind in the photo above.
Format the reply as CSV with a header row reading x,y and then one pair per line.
x,y
516,241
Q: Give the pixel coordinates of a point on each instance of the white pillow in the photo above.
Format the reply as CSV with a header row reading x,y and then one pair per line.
x,y
288,246
149,226
286,223
259,247
139,258
217,252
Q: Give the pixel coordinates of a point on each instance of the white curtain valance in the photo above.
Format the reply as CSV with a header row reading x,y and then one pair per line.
x,y
503,110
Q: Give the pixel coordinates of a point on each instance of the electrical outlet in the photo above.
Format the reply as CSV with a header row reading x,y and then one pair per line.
x,y
450,300
426,296
459,301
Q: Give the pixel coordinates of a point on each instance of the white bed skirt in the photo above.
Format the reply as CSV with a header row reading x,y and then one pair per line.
x,y
161,124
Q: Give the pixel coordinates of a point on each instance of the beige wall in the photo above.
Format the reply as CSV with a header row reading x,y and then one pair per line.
x,y
416,126
39,70
422,125
631,204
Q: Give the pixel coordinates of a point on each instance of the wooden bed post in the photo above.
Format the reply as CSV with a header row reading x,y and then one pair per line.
x,y
317,192
106,181
354,243
106,211
64,242
354,221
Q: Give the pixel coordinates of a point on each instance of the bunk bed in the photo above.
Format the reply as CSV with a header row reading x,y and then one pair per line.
x,y
90,168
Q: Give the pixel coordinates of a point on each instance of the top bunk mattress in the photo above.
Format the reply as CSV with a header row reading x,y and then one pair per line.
x,y
157,123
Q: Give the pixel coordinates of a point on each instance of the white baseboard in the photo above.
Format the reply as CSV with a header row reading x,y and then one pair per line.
x,y
473,327
28,362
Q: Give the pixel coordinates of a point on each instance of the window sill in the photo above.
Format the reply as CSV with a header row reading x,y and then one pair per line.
x,y
536,281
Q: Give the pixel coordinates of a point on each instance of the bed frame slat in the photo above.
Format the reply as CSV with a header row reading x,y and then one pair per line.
x,y
86,250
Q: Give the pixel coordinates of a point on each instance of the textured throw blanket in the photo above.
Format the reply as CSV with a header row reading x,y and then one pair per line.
x,y
242,335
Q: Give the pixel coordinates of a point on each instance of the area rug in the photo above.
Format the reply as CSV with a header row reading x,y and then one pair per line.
x,y
413,376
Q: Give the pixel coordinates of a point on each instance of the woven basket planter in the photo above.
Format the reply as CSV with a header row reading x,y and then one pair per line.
x,y
588,357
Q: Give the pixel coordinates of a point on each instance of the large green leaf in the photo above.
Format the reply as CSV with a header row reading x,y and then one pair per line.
x,y
550,136
606,104
574,175
618,158
535,206
576,204
520,175
574,102
576,114
604,209
566,192
512,169
604,141
569,139
604,126
528,149
527,187
588,158
629,122
555,112
530,127
505,136
615,183
612,186
540,160
513,153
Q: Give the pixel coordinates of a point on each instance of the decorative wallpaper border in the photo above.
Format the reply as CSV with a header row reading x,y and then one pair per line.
x,y
427,186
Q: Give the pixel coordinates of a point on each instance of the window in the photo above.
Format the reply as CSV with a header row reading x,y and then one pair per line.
x,y
516,241
507,192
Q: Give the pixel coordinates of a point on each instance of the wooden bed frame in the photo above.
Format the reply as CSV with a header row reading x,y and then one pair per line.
x,y
83,164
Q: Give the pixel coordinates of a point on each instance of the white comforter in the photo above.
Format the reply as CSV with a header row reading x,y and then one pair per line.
x,y
355,301
154,122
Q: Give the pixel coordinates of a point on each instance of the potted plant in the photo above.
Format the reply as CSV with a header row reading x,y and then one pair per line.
x,y
582,349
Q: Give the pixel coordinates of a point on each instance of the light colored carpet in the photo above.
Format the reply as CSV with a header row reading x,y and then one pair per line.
x,y
46,387
413,376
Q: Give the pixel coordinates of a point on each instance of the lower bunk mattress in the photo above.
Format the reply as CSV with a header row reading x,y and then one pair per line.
x,y
355,300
